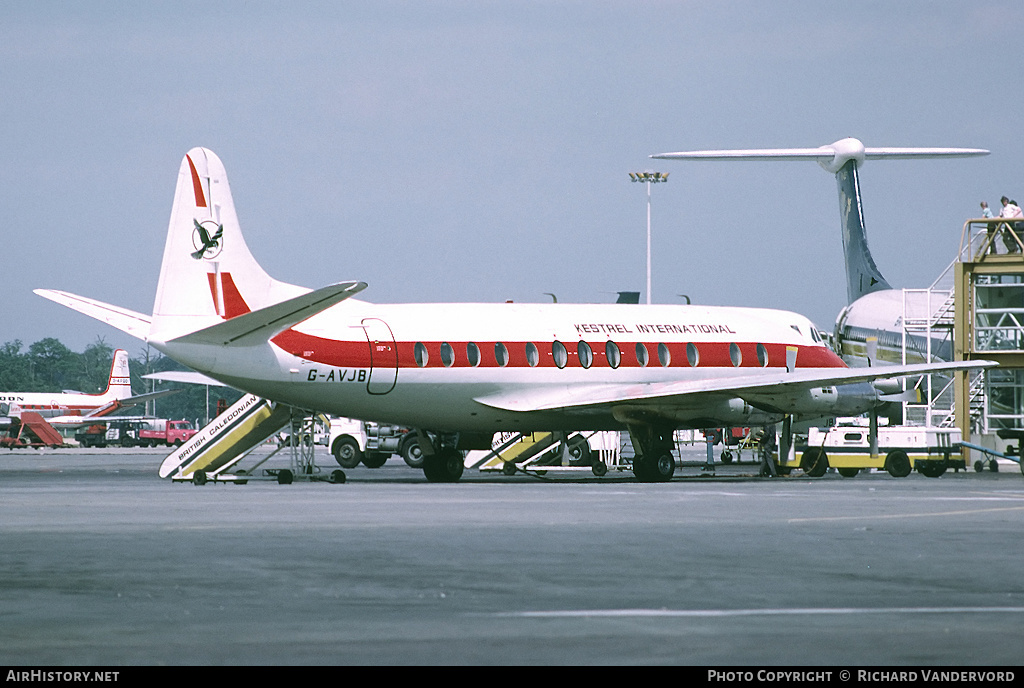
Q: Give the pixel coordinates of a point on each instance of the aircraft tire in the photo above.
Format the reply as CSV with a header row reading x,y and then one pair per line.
x,y
444,467
897,463
659,470
346,452
375,459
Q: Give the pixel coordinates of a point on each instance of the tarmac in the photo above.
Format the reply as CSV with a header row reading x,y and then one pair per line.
x,y
103,563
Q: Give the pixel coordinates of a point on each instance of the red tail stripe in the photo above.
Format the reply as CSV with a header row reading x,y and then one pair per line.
x,y
197,186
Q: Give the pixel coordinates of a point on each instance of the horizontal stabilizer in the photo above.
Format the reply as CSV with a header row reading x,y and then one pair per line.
x,y
258,326
832,157
188,376
135,324
747,387
136,400
227,438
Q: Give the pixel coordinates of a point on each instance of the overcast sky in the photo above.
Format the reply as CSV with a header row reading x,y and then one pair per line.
x,y
480,151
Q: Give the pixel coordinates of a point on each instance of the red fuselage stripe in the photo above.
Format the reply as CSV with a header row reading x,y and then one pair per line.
x,y
356,354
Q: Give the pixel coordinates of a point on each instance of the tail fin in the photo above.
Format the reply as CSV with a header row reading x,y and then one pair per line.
x,y
119,385
208,274
842,158
862,275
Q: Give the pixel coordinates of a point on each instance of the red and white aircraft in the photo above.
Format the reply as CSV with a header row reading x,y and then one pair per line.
x,y
466,371
76,408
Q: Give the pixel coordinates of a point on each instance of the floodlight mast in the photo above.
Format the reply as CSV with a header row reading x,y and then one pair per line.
x,y
649,178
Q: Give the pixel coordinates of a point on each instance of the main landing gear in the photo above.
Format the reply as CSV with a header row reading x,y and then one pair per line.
x,y
653,462
441,461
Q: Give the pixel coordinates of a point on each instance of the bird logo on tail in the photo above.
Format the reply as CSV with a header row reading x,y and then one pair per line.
x,y
206,246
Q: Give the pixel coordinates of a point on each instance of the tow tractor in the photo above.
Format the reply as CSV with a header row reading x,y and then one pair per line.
x,y
901,449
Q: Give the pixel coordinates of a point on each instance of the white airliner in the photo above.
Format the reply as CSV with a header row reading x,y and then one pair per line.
x,y
465,371
875,310
74,408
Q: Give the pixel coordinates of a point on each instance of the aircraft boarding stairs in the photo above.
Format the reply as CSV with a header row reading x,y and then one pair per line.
x,y
217,449
537,453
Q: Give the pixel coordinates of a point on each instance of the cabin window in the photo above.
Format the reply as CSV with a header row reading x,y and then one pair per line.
x,y
420,353
735,355
692,355
664,355
559,353
447,355
762,355
612,353
532,355
641,354
500,354
473,354
586,354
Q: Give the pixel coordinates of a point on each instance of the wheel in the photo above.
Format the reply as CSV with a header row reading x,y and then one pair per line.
x,y
599,468
346,452
337,476
848,472
979,466
726,456
508,468
993,466
412,453
579,452
659,470
814,462
931,469
375,459
199,478
897,463
446,466
285,477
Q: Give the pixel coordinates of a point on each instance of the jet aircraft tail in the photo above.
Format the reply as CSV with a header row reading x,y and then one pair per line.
x,y
842,158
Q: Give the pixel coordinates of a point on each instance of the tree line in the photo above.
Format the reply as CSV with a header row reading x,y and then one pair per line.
x,y
49,366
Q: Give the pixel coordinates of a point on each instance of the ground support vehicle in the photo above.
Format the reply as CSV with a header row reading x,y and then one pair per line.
x,y
1012,453
28,430
901,449
145,432
161,432
537,453
353,441
216,452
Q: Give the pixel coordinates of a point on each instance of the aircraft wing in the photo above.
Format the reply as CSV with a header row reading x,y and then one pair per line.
x,y
135,324
260,325
752,388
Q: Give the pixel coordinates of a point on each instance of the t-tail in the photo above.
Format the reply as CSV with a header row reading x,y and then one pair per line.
x,y
842,158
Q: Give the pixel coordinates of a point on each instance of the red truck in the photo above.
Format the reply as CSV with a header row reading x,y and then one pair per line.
x,y
166,432
152,432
